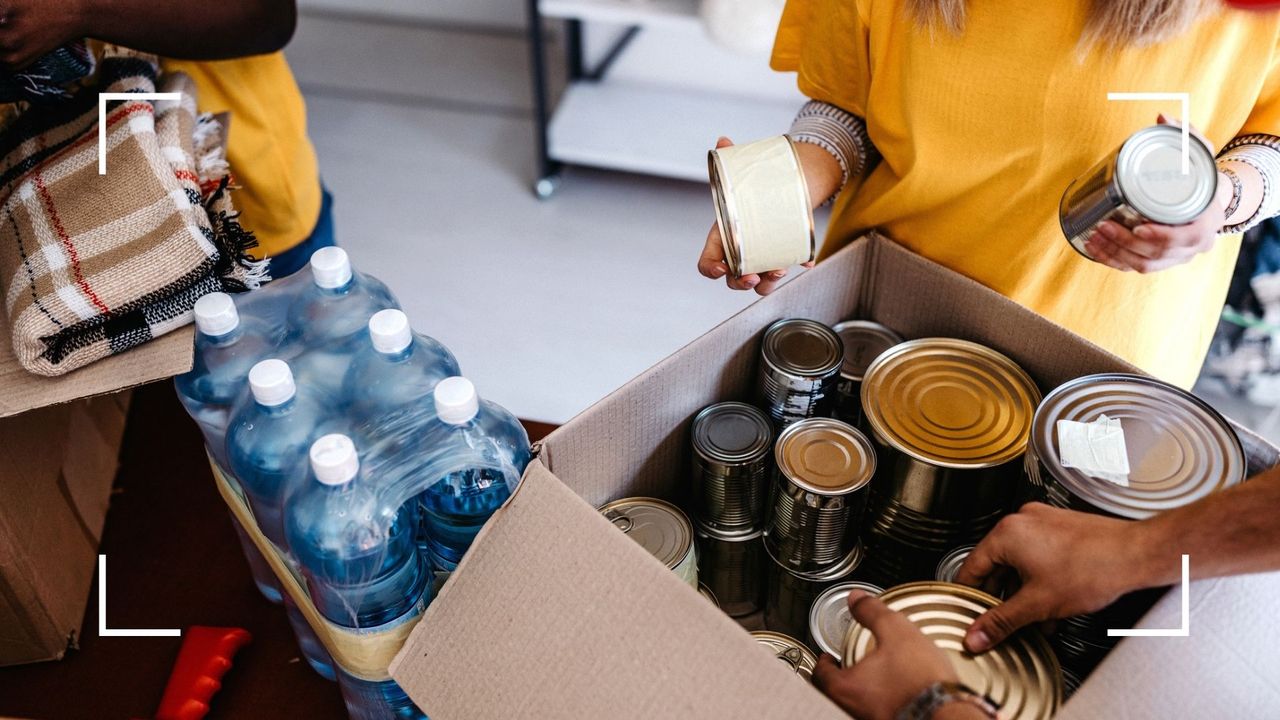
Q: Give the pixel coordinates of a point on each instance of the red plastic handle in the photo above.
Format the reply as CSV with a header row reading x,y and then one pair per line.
x,y
205,657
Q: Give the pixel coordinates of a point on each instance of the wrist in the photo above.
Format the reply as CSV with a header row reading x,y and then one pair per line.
x,y
948,701
821,171
1154,557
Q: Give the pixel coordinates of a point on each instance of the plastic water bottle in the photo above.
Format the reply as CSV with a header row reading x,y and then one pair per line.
x,y
453,509
356,551
395,371
327,319
267,443
226,346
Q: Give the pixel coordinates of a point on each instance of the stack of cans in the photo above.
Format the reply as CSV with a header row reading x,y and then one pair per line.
x,y
800,364
824,471
662,529
863,341
951,420
733,471
1179,450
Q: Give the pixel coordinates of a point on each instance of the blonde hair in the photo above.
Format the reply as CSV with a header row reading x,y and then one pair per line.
x,y
1113,23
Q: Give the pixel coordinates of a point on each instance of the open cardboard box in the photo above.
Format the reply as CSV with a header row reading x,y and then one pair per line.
x,y
59,442
555,614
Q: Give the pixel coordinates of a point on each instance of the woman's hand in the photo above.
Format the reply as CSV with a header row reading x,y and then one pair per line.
x,y
31,29
823,176
1151,247
1068,562
903,664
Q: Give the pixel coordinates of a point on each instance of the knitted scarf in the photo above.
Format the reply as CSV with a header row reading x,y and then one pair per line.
x,y
92,265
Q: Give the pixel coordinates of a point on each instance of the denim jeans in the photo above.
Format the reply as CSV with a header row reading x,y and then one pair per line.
x,y
296,257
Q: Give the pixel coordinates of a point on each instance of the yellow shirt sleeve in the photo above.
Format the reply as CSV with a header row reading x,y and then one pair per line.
x,y
827,44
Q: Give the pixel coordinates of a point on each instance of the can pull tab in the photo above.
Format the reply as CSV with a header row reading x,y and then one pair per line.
x,y
792,657
622,522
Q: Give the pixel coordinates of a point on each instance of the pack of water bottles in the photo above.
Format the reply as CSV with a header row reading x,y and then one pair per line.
x,y
365,463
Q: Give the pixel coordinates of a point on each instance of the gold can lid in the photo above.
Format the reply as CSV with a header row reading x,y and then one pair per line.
x,y
1180,449
789,650
829,617
705,592
825,456
660,527
864,341
1020,674
802,348
950,402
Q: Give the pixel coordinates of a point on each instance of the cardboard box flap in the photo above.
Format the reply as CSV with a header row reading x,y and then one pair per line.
x,y
1226,667
163,357
554,613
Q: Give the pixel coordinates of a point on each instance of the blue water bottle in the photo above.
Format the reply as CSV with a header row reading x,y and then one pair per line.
x,y
356,552
453,509
395,371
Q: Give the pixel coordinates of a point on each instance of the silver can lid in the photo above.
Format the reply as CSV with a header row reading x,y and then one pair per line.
x,y
732,433
829,617
804,348
657,525
1149,175
951,563
864,341
1179,448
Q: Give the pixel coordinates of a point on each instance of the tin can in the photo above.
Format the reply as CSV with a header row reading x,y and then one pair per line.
x,y
951,563
788,650
732,465
1141,181
790,594
1020,675
799,367
829,617
1180,449
824,469
863,342
951,420
732,567
762,206
662,529
705,592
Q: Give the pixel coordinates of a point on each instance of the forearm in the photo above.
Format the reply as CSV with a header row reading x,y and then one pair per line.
x,y
1233,532
191,30
1251,164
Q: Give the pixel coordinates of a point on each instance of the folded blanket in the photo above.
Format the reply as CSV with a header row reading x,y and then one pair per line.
x,y
92,265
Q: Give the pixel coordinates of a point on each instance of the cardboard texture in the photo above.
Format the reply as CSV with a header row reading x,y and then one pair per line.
x,y
554,613
56,468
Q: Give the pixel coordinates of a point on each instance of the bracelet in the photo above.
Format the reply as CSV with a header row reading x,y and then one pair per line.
x,y
840,133
924,705
1237,191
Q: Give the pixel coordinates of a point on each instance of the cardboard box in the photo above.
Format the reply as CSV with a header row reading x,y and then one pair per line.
x,y
555,614
59,441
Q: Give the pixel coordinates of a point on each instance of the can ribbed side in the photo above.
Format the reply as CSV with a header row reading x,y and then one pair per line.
x,y
808,532
732,498
787,399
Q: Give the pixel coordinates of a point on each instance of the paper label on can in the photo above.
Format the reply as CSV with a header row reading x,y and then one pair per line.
x,y
1096,448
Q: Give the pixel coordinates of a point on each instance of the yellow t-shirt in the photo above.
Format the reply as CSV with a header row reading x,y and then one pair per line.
x,y
981,132
267,145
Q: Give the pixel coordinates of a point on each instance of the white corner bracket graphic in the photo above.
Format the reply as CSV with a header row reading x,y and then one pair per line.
x,y
103,99
103,630
1185,630
1185,99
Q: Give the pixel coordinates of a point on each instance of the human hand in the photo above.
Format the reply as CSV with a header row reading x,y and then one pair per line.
x,y
1068,562
31,29
712,264
1152,247
903,664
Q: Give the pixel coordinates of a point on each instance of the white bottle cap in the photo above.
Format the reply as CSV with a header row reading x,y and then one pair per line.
x,y
456,400
216,314
330,267
334,459
389,330
271,382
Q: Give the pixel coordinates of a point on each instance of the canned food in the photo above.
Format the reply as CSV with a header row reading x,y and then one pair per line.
x,y
790,594
705,592
863,341
762,206
1179,448
1021,674
951,563
799,368
829,617
732,566
662,529
951,420
788,650
824,468
732,465
1144,180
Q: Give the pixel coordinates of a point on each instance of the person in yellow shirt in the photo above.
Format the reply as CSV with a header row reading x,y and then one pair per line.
x,y
231,49
955,127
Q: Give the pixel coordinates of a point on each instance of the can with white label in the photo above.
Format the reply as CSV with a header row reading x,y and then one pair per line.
x,y
1141,181
662,529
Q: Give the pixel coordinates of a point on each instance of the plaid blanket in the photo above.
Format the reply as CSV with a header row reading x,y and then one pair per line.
x,y
92,265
